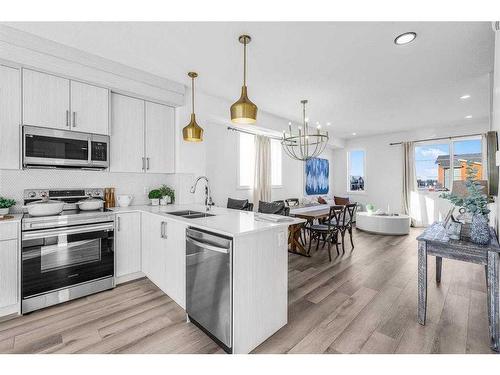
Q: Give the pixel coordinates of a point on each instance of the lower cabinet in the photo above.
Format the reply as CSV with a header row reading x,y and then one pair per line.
x,y
128,244
163,255
9,269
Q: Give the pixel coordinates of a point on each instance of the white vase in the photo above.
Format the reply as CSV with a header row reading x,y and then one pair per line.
x,y
155,202
163,201
4,211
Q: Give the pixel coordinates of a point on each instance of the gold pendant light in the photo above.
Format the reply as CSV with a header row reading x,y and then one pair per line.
x,y
192,132
244,111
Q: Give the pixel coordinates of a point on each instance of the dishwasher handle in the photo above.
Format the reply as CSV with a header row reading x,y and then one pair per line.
x,y
207,246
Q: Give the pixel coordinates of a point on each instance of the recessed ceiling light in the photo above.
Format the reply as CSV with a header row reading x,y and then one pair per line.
x,y
328,124
353,133
466,96
289,123
468,116
318,127
317,122
405,38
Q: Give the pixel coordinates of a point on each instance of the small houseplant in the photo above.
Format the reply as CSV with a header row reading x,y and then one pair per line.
x,y
475,203
167,194
155,196
5,205
370,208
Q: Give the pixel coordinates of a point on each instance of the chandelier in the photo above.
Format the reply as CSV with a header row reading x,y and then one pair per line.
x,y
307,143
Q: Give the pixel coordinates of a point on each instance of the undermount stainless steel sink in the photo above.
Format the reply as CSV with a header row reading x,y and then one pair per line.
x,y
188,214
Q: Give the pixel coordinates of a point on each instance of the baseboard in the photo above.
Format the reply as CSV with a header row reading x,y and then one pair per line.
x,y
9,312
131,276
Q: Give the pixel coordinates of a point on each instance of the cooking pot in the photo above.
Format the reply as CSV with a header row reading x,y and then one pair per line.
x,y
90,204
44,207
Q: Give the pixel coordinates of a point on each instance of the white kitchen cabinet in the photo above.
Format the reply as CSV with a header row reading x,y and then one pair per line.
x,y
127,134
163,255
128,244
160,138
46,100
89,108
9,267
10,117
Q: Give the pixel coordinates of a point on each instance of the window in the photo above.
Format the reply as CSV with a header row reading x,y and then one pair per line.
x,y
247,160
433,166
275,162
356,171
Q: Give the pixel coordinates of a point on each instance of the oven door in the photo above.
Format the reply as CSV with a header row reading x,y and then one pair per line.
x,y
51,147
57,258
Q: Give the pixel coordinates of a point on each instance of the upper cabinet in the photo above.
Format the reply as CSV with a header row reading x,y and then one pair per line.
x,y
160,138
10,117
45,100
142,136
60,103
89,108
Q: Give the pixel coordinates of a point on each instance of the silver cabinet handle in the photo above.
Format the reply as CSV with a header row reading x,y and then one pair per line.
x,y
147,163
163,230
118,223
67,118
143,164
74,119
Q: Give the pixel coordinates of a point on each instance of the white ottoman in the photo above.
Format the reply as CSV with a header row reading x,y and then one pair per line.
x,y
379,224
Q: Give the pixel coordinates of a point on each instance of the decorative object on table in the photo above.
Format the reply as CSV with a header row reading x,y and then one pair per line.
x,y
124,200
453,228
370,208
305,144
321,200
317,176
155,196
243,111
192,132
167,194
5,205
475,202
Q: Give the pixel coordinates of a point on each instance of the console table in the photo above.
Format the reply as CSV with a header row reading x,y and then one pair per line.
x,y
435,241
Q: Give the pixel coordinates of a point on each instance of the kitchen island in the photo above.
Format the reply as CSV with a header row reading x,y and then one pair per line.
x,y
259,260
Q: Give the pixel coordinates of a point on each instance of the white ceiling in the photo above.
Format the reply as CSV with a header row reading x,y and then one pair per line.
x,y
352,73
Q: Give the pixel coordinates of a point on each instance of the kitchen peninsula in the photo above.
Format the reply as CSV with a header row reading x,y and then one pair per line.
x,y
151,242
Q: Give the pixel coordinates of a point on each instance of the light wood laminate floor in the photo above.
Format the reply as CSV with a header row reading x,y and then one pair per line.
x,y
362,302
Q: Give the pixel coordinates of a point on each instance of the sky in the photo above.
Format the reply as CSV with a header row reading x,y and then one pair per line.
x,y
357,159
425,155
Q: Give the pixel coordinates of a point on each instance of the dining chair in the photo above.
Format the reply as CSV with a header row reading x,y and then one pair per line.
x,y
344,223
239,204
328,231
276,207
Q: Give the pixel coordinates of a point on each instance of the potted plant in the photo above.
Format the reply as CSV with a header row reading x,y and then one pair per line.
x,y
5,205
475,203
370,208
167,194
155,196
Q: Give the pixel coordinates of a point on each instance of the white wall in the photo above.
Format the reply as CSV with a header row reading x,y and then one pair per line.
x,y
384,169
217,156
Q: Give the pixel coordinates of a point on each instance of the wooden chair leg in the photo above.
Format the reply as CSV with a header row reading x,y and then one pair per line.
x,y
336,239
342,233
318,236
310,242
329,251
350,235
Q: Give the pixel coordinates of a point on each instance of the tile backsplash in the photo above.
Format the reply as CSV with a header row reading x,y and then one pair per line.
x,y
13,182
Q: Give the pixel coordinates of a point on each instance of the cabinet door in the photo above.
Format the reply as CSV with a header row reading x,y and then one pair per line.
x,y
160,138
8,273
89,108
153,245
128,243
45,100
127,134
10,117
175,262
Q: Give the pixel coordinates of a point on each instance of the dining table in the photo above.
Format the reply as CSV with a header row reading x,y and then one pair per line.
x,y
298,233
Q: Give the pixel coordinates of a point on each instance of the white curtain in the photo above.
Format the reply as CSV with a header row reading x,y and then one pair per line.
x,y
409,179
262,176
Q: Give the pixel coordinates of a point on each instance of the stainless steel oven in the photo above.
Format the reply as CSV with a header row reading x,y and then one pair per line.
x,y
63,263
52,148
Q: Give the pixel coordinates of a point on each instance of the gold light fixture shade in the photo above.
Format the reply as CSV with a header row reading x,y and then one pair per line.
x,y
192,132
244,111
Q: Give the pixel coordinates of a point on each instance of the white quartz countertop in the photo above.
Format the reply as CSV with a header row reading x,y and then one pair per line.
x,y
226,221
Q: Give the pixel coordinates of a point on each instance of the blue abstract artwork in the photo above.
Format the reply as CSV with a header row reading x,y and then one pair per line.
x,y
317,176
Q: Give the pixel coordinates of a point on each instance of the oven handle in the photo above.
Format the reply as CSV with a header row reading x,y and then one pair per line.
x,y
66,230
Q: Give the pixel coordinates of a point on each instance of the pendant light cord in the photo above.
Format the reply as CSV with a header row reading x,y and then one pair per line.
x,y
245,63
192,92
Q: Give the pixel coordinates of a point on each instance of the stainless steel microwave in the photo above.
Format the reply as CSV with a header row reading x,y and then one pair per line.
x,y
52,148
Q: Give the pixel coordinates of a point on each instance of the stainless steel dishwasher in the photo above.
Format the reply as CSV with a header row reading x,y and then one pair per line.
x,y
209,284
